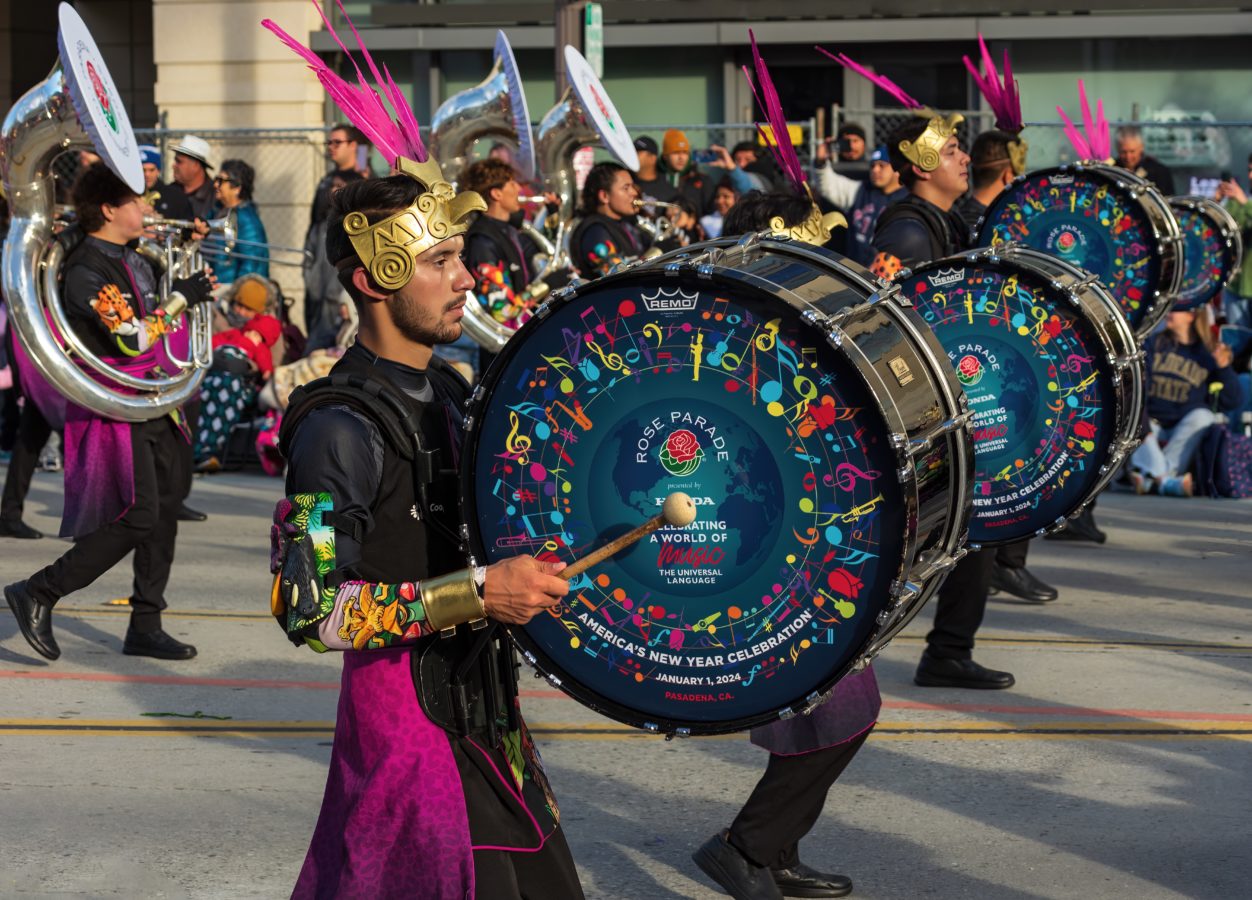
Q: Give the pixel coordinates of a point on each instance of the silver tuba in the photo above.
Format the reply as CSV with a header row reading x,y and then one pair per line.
x,y
76,106
584,115
495,108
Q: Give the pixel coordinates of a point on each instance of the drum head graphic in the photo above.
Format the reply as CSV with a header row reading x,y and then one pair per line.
x,y
1089,219
1210,254
1032,368
647,383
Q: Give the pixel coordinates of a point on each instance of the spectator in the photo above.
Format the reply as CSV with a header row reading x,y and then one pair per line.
x,y
1130,156
168,201
1237,299
242,362
686,222
756,171
1182,363
650,179
873,196
850,140
192,162
607,234
342,144
723,200
322,291
234,185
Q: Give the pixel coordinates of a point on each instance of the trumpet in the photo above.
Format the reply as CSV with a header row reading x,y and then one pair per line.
x,y
658,225
224,228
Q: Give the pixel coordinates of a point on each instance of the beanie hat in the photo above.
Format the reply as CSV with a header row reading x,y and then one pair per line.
x,y
675,142
252,293
149,155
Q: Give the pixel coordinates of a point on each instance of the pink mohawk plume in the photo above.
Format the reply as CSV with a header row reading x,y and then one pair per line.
x,y
1001,95
881,81
394,131
783,150
1093,142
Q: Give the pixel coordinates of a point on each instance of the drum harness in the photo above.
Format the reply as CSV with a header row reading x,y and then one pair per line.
x,y
466,679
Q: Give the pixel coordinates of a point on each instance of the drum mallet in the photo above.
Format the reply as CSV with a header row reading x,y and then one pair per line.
x,y
678,510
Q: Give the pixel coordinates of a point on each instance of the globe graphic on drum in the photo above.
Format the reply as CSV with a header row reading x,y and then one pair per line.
x,y
640,386
738,521
1029,364
1086,219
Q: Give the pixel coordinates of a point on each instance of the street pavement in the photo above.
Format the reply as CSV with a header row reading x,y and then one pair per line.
x,y
1118,767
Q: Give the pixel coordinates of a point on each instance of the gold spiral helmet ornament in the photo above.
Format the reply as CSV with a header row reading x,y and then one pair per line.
x,y
389,249
925,151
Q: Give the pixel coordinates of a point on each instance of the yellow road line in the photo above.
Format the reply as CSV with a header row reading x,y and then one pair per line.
x,y
567,731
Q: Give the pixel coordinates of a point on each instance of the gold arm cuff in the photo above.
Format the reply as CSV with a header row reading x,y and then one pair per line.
x,y
175,305
451,600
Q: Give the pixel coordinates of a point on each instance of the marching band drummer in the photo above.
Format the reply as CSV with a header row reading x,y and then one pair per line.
x,y
124,482
925,226
607,234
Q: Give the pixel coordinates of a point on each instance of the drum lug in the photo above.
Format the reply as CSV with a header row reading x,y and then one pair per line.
x,y
652,727
904,474
678,732
705,271
835,336
904,592
813,701
787,713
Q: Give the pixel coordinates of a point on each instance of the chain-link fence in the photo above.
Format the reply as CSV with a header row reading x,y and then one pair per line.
x,y
289,162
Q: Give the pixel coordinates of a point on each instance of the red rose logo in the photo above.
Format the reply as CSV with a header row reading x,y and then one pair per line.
x,y
681,454
102,95
969,370
842,581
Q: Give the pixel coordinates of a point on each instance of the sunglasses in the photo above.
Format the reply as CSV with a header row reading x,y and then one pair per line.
x,y
222,179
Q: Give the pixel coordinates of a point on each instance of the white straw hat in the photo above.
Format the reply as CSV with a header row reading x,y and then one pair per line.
x,y
196,148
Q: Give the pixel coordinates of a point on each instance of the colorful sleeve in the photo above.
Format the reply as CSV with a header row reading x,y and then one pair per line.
x,y
315,608
600,253
104,305
494,288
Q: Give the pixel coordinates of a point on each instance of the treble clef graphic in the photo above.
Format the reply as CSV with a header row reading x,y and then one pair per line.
x,y
517,443
847,475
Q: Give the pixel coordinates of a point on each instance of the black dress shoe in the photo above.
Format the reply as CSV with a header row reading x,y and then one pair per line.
x,y
1081,528
18,529
804,881
34,619
739,877
1021,583
960,673
187,514
156,644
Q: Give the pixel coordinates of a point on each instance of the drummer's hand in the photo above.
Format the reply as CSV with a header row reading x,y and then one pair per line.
x,y
1223,355
520,588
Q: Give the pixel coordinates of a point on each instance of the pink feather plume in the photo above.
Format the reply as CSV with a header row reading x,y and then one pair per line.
x,y
393,130
882,81
1001,93
1093,142
766,95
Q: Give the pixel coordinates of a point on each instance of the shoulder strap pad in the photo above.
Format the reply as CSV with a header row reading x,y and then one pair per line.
x,y
399,424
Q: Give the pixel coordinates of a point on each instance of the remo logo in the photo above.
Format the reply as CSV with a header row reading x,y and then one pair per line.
x,y
681,454
102,96
969,370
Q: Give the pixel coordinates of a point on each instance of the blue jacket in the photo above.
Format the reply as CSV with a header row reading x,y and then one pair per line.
x,y
228,267
1179,376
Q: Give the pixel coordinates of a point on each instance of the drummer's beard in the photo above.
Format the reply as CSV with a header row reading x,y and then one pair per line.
x,y
414,320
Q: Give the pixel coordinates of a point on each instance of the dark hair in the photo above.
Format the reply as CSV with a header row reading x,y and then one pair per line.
x,y
743,146
909,131
988,157
600,178
754,210
683,203
241,174
851,128
377,198
95,186
486,175
354,133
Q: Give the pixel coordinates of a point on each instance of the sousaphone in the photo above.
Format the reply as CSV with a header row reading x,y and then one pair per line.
x,y
78,107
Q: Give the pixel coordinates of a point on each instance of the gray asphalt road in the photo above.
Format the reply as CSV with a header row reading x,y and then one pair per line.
x,y
1119,766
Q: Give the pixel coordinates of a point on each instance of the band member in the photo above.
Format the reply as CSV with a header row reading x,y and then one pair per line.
x,y
499,256
922,227
369,562
758,855
607,234
435,788
123,481
996,158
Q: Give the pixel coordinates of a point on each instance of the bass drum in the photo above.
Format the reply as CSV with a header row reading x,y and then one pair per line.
x,y
1212,249
1054,377
1103,219
814,420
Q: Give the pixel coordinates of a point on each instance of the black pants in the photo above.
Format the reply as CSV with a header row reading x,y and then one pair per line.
x,y
548,874
33,431
786,803
962,602
1013,556
149,528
